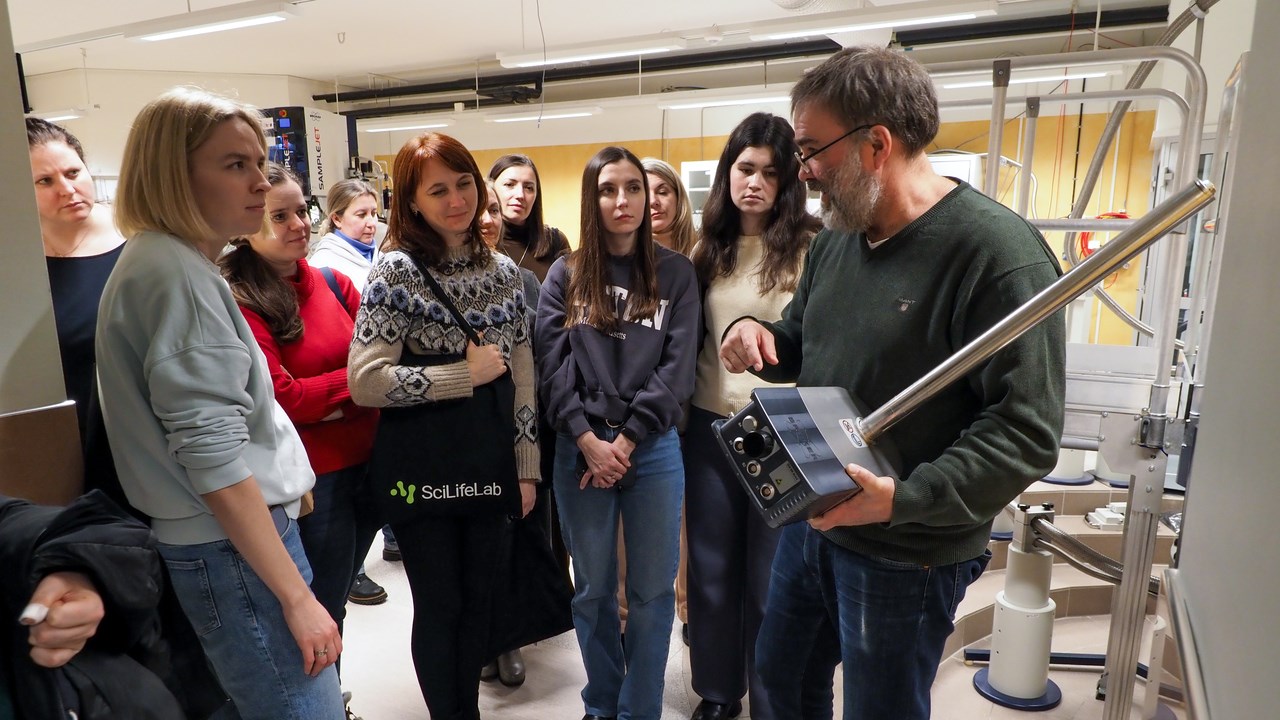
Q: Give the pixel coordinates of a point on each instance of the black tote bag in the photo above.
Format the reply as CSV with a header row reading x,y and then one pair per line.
x,y
452,457
532,596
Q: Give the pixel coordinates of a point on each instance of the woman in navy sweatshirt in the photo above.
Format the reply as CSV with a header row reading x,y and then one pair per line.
x,y
616,341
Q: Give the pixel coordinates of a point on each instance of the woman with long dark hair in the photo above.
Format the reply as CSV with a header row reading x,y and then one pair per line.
x,y
302,318
530,242
616,331
411,349
755,231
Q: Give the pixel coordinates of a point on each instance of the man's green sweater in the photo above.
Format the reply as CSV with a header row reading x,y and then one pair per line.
x,y
873,321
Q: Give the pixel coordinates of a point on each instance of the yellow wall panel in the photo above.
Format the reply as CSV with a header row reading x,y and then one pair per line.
x,y
1123,185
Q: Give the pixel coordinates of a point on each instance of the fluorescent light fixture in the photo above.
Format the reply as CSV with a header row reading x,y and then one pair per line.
x,y
1029,79
937,14
63,115
711,103
423,126
552,114
588,53
200,22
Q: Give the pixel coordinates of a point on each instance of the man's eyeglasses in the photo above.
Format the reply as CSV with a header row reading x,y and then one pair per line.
x,y
804,159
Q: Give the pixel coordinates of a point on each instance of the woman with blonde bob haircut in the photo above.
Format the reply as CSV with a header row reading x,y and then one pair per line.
x,y
200,444
670,211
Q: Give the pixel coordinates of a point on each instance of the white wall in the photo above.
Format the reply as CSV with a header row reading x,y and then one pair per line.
x,y
1227,33
114,98
1228,561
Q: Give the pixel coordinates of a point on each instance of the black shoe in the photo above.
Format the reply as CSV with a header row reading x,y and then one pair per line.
x,y
489,672
511,668
366,592
708,710
390,550
589,716
684,633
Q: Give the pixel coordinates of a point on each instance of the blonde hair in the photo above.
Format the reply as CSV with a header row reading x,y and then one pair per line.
x,y
340,197
155,184
680,229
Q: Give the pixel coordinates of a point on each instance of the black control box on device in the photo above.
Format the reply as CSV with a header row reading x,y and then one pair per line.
x,y
789,448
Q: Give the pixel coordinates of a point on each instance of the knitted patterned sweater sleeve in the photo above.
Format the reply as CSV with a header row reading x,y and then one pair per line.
x,y
393,314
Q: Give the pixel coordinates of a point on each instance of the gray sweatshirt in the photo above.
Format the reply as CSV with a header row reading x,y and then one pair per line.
x,y
186,394
639,375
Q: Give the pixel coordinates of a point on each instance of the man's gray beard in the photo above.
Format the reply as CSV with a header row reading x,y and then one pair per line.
x,y
850,197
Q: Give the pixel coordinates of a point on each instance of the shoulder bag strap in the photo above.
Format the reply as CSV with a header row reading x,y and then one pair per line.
x,y
332,281
444,298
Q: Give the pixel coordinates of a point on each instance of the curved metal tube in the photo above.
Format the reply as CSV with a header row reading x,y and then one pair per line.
x,y
1052,534
1146,230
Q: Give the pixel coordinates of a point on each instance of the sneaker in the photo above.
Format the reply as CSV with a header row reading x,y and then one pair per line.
x,y
366,592
390,550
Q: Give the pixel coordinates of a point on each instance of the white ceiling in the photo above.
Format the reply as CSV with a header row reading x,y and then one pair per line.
x,y
384,43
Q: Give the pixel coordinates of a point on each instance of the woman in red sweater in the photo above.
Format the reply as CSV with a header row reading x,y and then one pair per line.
x,y
302,318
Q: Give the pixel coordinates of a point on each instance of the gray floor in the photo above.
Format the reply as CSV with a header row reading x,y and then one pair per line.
x,y
378,671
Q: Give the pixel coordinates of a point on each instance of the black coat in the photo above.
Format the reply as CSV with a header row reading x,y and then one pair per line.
x,y
145,660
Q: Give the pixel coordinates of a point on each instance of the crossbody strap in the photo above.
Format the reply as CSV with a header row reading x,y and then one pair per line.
x,y
444,298
332,281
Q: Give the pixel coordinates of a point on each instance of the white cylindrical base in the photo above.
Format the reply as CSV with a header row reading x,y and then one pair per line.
x,y
1104,472
1155,667
1020,644
1026,581
1002,524
1070,464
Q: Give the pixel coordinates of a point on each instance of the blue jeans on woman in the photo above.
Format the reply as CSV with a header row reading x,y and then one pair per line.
x,y
626,684
243,631
891,619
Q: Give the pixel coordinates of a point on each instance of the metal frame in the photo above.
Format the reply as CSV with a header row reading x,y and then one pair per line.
x,y
1133,442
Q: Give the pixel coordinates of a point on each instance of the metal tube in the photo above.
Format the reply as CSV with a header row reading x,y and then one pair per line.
x,y
1092,224
995,142
1055,536
1135,94
1162,218
1028,152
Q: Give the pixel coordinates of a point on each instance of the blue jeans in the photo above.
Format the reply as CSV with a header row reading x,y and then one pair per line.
x,y
337,534
891,619
243,631
626,685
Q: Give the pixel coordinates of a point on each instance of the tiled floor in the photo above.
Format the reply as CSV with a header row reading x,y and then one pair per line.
x,y
378,670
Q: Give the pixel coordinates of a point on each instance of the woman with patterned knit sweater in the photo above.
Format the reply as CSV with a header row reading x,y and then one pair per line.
x,y
450,559
303,321
754,235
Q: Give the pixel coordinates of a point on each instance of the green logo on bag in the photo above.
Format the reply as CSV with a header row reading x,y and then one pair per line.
x,y
399,490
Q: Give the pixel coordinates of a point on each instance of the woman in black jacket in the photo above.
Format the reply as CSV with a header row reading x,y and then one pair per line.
x,y
90,562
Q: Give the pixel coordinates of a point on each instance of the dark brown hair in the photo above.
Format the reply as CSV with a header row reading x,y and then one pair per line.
x,y
533,234
589,264
256,285
407,230
42,132
789,227
877,86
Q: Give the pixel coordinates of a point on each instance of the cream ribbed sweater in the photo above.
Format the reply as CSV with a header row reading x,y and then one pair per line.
x,y
729,298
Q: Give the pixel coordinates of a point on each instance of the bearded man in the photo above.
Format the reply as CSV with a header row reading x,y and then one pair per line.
x,y
911,268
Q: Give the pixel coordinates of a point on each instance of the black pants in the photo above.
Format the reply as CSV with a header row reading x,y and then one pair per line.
x,y
337,534
451,564
730,555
